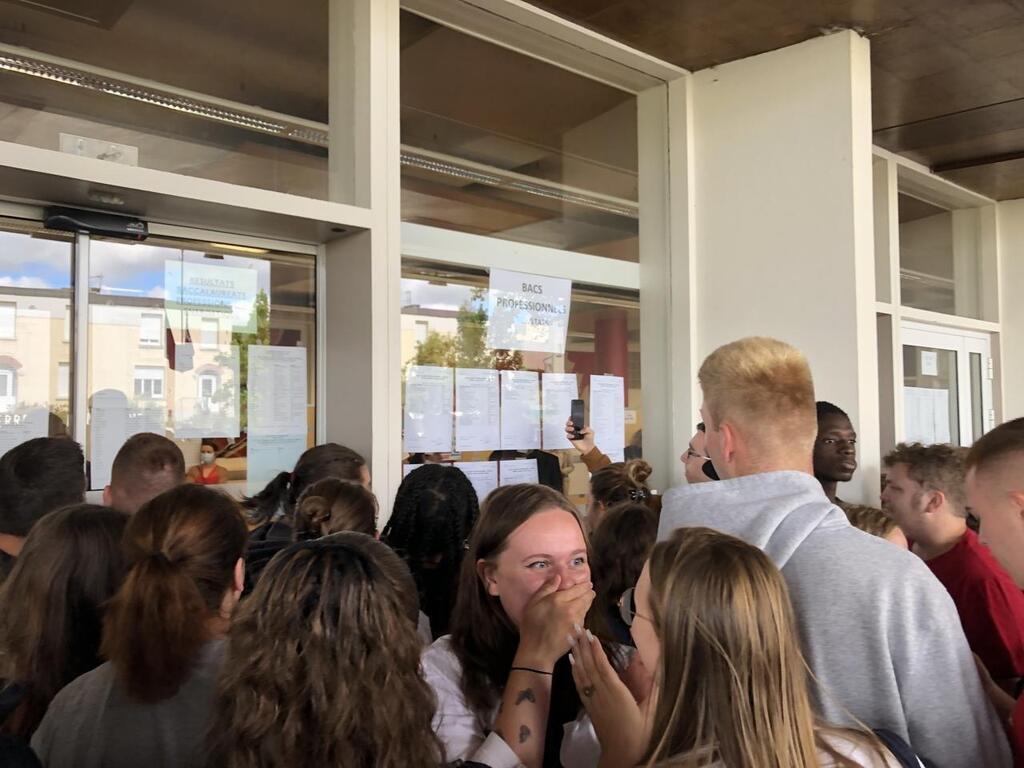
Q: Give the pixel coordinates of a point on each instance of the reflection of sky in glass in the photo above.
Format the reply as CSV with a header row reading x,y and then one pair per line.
x,y
137,269
32,262
426,295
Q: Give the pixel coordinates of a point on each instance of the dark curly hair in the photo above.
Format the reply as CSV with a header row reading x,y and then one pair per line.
x,y
323,665
435,509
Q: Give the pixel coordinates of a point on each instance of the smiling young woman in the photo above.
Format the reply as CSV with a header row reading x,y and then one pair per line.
x,y
502,679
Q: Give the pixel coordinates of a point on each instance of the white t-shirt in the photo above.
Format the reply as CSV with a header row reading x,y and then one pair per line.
x,y
466,733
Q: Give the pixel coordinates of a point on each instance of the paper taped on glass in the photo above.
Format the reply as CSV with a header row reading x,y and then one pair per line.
x,y
926,415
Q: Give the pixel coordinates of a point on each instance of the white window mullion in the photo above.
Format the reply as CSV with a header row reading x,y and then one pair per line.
x,y
80,341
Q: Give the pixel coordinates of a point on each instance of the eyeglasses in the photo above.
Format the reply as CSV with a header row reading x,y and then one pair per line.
x,y
627,607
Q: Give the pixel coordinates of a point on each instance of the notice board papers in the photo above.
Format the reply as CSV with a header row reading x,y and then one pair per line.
x,y
477,414
520,410
607,415
428,409
558,390
517,471
482,474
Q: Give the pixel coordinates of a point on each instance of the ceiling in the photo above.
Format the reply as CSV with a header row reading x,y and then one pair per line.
x,y
947,75
948,91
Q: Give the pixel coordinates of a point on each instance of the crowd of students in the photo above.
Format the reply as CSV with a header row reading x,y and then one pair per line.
x,y
747,619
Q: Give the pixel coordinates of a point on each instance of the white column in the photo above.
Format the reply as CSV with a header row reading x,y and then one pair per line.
x,y
362,271
784,236
667,277
1010,344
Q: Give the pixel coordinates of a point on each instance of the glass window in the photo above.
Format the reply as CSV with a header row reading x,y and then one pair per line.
x,y
214,305
977,399
8,384
234,91
603,338
497,143
939,260
149,382
63,381
151,330
35,295
8,320
211,332
931,395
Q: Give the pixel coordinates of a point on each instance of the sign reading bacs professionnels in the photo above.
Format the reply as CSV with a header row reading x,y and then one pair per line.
x,y
527,312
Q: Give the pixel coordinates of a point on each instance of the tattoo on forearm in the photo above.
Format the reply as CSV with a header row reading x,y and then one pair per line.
x,y
524,733
526,695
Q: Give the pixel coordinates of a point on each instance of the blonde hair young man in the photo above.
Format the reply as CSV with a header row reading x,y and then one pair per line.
x,y
880,633
995,495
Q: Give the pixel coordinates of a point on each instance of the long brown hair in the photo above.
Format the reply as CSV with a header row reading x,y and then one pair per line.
x,y
619,483
621,544
282,493
334,505
51,606
182,548
483,637
323,665
731,681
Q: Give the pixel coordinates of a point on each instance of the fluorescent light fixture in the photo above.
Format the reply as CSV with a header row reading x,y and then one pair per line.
x,y
26,62
239,248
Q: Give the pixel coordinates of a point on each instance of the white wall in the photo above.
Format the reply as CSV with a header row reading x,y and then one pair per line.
x,y
1011,275
784,237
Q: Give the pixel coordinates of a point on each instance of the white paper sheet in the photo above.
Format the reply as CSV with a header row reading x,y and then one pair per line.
x,y
277,420
558,390
200,415
22,425
408,468
929,362
482,474
477,415
527,312
517,471
520,410
607,415
926,415
428,409
269,454
277,391
112,420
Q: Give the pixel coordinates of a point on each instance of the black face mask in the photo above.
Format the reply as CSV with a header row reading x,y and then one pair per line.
x,y
709,470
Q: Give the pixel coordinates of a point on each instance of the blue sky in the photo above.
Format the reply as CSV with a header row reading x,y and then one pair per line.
x,y
117,268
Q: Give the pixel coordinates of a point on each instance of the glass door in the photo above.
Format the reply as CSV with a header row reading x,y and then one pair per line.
x,y
947,385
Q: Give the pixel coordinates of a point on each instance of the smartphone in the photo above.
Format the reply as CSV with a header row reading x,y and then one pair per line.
x,y
577,419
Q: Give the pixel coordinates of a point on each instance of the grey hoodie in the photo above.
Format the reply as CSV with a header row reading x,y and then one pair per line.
x,y
879,631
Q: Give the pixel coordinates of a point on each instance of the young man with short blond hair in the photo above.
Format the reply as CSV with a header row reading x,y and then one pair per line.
x,y
995,495
880,633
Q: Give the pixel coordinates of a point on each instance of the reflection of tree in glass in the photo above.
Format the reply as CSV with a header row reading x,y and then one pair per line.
x,y
226,391
468,347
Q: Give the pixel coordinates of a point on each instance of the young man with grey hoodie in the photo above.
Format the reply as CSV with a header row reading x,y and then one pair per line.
x,y
880,633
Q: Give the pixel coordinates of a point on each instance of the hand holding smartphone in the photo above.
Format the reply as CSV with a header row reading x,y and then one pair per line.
x,y
576,418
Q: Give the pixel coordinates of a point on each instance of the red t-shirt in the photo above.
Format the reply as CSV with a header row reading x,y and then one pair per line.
x,y
1017,731
990,605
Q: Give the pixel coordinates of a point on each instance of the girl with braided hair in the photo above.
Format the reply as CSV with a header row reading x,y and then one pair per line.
x,y
435,509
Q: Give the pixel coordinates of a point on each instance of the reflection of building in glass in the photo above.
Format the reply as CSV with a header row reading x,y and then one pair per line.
x,y
34,348
153,363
